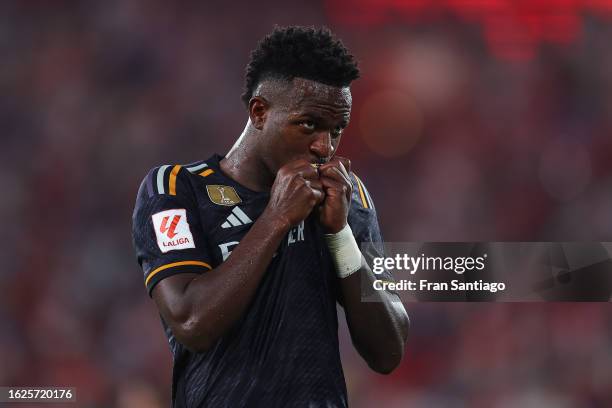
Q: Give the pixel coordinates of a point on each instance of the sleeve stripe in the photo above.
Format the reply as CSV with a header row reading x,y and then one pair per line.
x,y
207,172
160,179
149,182
193,169
172,182
364,201
367,194
175,264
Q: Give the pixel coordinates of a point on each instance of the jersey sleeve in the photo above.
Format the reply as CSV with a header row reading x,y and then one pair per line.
x,y
166,227
364,223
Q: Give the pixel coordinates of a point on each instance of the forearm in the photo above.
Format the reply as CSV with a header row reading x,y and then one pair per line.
x,y
200,308
215,300
379,326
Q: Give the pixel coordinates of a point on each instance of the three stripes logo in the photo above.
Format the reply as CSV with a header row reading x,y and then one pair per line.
x,y
236,218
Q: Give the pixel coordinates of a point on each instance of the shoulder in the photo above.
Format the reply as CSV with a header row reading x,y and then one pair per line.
x,y
361,195
172,179
168,187
362,215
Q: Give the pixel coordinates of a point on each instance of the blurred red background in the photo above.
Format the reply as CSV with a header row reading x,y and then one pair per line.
x,y
473,121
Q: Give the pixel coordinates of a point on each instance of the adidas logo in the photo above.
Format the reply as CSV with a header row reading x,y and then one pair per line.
x,y
236,218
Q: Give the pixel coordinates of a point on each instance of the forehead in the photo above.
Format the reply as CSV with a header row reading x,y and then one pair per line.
x,y
305,94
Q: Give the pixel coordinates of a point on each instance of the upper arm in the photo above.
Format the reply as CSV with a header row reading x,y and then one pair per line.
x,y
169,296
363,220
167,230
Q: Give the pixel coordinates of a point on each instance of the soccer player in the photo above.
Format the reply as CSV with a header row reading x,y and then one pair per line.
x,y
247,254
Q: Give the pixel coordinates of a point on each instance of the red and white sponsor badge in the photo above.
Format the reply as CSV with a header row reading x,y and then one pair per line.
x,y
172,230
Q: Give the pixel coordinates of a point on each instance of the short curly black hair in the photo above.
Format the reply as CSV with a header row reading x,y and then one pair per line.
x,y
304,52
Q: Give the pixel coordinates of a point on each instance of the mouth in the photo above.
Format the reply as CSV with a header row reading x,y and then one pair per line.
x,y
317,162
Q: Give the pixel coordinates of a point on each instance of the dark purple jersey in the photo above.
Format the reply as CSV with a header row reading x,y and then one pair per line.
x,y
283,352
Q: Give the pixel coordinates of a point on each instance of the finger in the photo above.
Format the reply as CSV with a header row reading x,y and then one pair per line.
x,y
309,173
315,184
304,169
332,163
319,195
331,184
338,162
298,165
345,170
336,174
346,162
340,184
345,173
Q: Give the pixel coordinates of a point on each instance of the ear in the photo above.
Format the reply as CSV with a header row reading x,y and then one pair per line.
x,y
258,111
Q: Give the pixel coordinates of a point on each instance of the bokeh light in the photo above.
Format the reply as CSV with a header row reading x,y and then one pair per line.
x,y
390,123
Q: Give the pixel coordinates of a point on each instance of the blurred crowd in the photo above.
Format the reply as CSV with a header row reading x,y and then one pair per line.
x,y
454,144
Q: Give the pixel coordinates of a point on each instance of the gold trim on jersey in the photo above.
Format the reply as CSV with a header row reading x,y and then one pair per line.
x,y
364,201
175,264
172,181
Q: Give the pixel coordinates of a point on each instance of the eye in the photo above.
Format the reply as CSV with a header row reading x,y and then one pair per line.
x,y
337,131
308,125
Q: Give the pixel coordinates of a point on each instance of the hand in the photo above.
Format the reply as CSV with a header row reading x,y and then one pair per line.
x,y
295,192
338,189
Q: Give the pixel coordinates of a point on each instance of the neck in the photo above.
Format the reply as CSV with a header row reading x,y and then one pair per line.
x,y
243,164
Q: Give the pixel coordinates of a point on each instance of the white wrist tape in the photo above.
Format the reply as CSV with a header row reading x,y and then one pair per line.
x,y
344,251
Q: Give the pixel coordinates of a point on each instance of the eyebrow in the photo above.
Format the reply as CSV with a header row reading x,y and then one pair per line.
x,y
320,118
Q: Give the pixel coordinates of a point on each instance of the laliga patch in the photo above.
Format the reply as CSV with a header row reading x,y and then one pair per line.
x,y
172,230
222,195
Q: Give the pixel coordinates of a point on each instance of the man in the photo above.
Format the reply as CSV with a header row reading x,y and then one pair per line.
x,y
246,255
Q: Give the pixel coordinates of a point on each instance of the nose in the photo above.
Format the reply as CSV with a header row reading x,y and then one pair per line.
x,y
322,146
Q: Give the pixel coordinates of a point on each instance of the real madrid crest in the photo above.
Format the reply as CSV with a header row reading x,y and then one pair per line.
x,y
222,195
